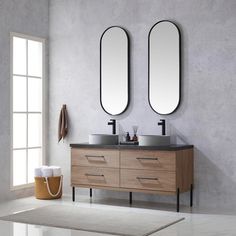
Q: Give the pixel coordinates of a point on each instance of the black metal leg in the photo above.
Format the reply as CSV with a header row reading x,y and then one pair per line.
x,y
91,192
191,195
73,194
177,202
130,198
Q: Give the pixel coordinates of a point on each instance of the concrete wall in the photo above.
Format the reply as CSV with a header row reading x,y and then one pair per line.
x,y
26,17
206,116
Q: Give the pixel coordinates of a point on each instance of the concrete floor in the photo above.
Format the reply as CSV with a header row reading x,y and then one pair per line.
x,y
195,224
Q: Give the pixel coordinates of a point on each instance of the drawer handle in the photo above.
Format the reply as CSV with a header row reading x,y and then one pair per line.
x,y
146,178
87,156
87,174
147,158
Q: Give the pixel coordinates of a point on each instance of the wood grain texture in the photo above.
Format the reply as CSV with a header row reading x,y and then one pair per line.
x,y
184,169
95,157
148,179
125,189
95,176
158,172
148,160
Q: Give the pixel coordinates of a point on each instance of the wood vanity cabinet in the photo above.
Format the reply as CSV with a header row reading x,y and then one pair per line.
x,y
168,172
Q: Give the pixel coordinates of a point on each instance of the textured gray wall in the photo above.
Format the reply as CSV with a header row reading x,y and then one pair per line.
x,y
26,17
206,116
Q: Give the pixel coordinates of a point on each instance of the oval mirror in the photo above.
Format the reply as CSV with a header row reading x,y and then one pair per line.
x,y
114,70
164,67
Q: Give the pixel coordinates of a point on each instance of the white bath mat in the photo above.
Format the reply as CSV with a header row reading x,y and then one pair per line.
x,y
106,221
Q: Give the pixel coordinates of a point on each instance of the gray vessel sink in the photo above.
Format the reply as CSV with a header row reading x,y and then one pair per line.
x,y
104,139
153,140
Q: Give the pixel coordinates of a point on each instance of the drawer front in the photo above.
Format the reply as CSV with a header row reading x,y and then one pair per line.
x,y
95,176
148,179
95,157
148,160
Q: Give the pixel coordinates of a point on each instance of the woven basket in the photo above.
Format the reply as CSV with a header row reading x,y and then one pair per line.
x,y
47,188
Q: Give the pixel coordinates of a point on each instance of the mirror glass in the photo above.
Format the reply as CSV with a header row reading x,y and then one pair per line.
x,y
164,67
114,70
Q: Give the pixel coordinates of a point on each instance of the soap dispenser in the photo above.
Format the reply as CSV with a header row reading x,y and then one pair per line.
x,y
127,137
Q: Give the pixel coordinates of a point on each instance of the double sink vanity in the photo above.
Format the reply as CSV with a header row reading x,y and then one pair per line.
x,y
154,166
155,169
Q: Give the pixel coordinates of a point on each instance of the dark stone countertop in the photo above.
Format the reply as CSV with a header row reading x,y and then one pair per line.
x,y
172,147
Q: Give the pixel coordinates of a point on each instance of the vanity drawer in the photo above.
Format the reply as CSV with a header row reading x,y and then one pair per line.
x,y
148,179
148,160
95,176
95,157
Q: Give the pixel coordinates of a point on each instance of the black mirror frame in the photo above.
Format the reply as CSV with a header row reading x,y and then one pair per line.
x,y
128,69
179,67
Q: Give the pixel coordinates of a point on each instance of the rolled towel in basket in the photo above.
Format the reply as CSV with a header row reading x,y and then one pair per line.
x,y
56,170
47,172
38,172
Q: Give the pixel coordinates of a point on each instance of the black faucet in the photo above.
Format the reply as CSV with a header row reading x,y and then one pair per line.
x,y
163,124
113,123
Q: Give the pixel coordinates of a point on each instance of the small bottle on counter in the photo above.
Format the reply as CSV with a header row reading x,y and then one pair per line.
x,y
135,138
127,138
135,129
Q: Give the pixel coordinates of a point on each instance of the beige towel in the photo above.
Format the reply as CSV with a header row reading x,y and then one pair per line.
x,y
63,124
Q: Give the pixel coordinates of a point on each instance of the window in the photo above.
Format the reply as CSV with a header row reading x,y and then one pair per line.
x,y
27,107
